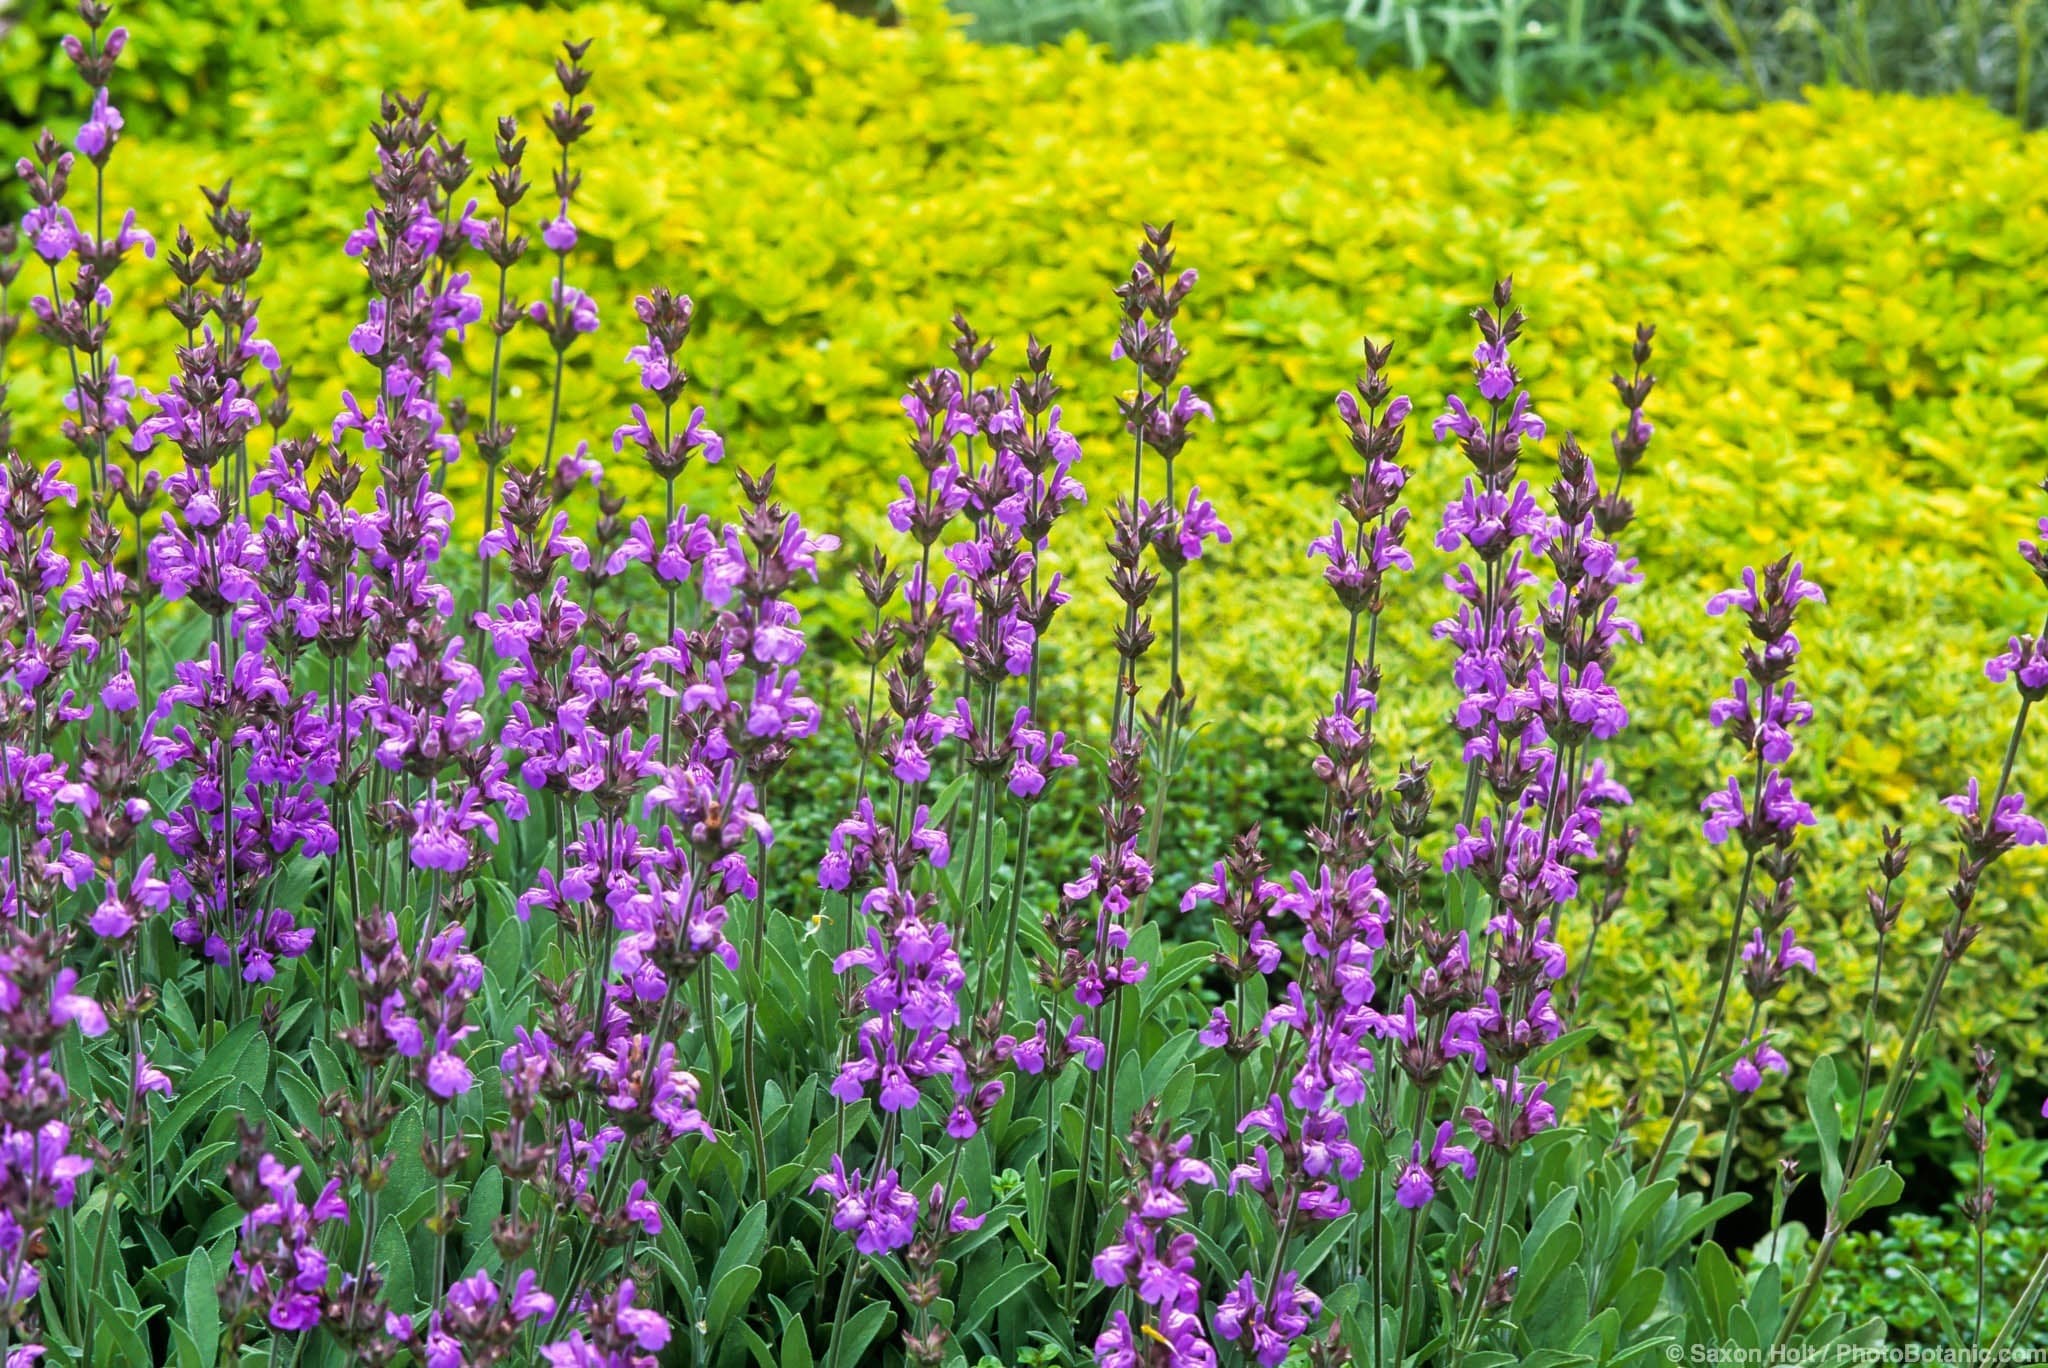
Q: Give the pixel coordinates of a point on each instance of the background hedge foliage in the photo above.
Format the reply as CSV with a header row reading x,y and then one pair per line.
x,y
1848,292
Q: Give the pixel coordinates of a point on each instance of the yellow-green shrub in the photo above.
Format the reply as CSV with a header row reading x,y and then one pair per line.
x,y
1849,294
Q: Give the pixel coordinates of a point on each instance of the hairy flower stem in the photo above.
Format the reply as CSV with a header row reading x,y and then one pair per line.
x,y
852,913
1491,1265
1733,1128
1379,1269
108,1217
585,1257
1169,721
440,1204
1279,1260
491,423
668,640
714,1082
1422,1099
561,348
1980,1219
1869,1006
749,1065
1885,1117
138,1106
1023,822
1084,1164
1695,1075
839,1314
986,793
1116,1045
71,354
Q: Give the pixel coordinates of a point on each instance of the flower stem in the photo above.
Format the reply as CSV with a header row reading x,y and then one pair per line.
x,y
749,1066
1696,1074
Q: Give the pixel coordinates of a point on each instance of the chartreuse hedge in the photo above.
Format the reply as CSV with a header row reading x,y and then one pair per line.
x,y
1849,295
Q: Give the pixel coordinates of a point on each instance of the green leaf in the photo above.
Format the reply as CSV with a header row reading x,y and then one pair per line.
x,y
992,1294
1183,963
408,1180
244,1054
119,1338
1720,1286
796,1345
185,1350
1823,1107
1709,1214
1642,1206
942,806
729,1294
1881,1186
393,1253
869,1323
750,1338
300,1095
1558,1251
202,1307
486,1203
201,1158
1561,1047
1309,1258
743,1245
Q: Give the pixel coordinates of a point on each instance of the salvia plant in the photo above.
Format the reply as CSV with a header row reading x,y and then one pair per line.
x,y
400,962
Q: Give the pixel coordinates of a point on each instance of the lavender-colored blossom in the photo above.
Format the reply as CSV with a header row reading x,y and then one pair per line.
x,y
1748,1072
881,1216
2009,817
1415,1185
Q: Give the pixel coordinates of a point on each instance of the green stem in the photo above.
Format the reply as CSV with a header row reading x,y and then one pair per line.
x,y
1869,1005
749,1064
1696,1074
1728,1136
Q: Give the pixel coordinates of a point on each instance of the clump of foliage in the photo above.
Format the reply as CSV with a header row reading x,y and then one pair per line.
x,y
1852,356
1997,51
1517,52
402,957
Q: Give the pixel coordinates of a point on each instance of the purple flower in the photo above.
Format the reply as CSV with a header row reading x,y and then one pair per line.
x,y
1750,597
882,1216
1489,521
1266,1327
448,1077
1416,1184
68,1006
52,232
1788,955
558,233
577,309
2009,818
1767,729
1196,525
150,1079
1526,1111
101,129
1778,815
1496,374
1148,1256
2025,662
1748,1073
